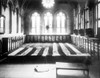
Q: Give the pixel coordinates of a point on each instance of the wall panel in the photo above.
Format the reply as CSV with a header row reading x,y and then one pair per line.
x,y
47,38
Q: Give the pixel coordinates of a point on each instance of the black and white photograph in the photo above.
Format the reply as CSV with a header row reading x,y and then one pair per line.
x,y
49,38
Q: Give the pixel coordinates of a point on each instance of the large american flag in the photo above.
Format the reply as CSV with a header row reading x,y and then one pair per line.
x,y
48,49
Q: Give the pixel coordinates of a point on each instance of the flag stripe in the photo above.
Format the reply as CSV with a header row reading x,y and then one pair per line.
x,y
21,51
45,52
32,51
26,52
60,51
50,50
41,52
16,51
36,52
64,49
55,50
74,49
71,51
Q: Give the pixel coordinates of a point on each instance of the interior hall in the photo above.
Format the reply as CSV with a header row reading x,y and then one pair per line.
x,y
49,38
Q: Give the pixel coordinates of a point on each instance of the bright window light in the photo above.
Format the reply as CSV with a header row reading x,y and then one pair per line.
x,y
96,28
48,3
1,24
48,22
98,10
14,23
98,23
2,21
19,25
60,23
35,23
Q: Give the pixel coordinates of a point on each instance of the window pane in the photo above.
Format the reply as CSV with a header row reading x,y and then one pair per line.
x,y
1,22
79,18
36,23
88,25
63,30
14,23
99,10
96,28
99,23
48,22
60,23
63,23
33,21
82,22
96,12
58,30
87,15
77,22
50,30
33,30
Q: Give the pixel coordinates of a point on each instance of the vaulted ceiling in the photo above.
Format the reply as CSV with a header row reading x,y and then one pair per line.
x,y
29,4
37,3
34,4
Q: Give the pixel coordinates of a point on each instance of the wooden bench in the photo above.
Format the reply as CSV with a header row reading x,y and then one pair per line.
x,y
73,66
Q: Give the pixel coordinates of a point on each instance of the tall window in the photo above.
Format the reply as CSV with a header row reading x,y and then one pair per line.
x,y
14,23
35,23
2,22
61,23
97,16
48,18
87,18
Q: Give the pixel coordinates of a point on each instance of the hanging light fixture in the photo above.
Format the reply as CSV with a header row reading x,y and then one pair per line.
x,y
48,3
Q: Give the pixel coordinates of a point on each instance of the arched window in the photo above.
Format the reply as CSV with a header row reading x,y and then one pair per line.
x,y
35,23
48,23
60,23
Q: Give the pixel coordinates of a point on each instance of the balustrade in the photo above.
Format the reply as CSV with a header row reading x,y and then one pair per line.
x,y
11,43
90,45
